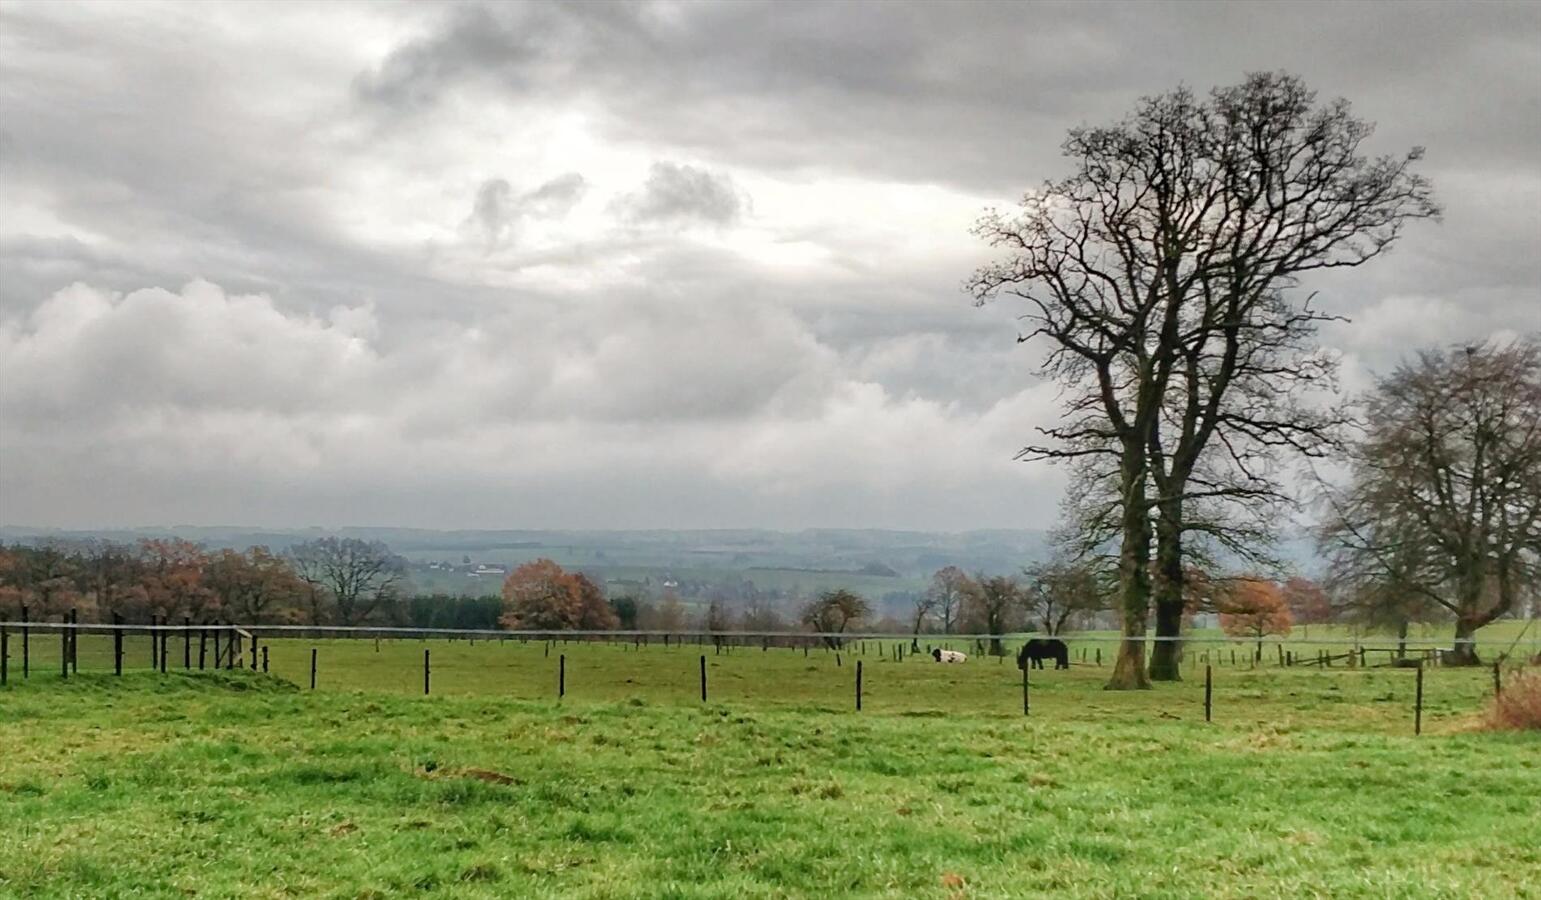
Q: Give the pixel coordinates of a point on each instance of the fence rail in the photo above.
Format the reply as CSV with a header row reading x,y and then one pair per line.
x,y
691,636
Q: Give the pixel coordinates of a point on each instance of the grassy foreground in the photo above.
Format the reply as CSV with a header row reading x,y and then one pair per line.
x,y
229,784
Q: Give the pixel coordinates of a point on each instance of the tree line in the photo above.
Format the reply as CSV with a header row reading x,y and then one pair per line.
x,y
328,581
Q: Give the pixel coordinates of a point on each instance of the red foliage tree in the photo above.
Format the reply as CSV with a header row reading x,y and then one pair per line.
x,y
540,595
1253,608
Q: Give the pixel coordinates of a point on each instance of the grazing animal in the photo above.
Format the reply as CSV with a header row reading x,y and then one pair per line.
x,y
948,656
1039,649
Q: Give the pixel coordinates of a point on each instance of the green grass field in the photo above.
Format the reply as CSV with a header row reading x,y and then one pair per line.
x,y
1308,783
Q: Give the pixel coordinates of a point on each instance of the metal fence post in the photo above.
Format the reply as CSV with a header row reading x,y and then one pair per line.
x,y
858,685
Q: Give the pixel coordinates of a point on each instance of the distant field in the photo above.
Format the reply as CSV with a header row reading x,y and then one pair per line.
x,y
1308,784
606,566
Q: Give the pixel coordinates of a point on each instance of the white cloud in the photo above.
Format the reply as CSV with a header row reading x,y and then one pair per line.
x,y
457,270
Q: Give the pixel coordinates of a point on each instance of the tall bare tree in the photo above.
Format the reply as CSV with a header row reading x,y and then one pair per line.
x,y
1158,273
922,607
994,605
832,612
1056,591
1444,497
357,576
949,587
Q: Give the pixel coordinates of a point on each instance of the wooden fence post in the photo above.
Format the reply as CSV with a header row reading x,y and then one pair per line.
x,y
1418,703
117,644
203,646
313,668
425,671
219,658
858,685
703,678
254,652
1498,684
264,659
75,642
64,648
5,655
561,676
1209,691
26,645
187,642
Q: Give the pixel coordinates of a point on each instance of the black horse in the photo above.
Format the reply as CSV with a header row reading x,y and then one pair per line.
x,y
1040,649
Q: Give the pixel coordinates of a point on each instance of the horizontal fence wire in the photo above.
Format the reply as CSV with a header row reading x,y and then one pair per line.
x,y
693,635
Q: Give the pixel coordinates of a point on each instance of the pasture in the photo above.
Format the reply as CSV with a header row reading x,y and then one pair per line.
x,y
1307,783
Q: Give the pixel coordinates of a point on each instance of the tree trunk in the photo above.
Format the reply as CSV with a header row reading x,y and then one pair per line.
x,y
1402,639
1134,579
1166,655
1464,653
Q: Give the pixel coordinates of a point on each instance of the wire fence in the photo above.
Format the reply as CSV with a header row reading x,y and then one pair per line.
x,y
789,667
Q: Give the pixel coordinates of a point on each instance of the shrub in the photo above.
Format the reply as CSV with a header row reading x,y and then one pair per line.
x,y
1518,708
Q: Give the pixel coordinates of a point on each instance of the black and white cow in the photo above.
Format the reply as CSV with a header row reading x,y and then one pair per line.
x,y
948,656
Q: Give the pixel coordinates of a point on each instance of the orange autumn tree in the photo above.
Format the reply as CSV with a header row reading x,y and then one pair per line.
x,y
256,586
1253,608
541,596
173,579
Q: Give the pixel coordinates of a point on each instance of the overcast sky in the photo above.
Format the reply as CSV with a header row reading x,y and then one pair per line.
x,y
663,265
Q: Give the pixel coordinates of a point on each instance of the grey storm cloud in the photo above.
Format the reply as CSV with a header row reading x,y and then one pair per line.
x,y
260,270
679,193
497,209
